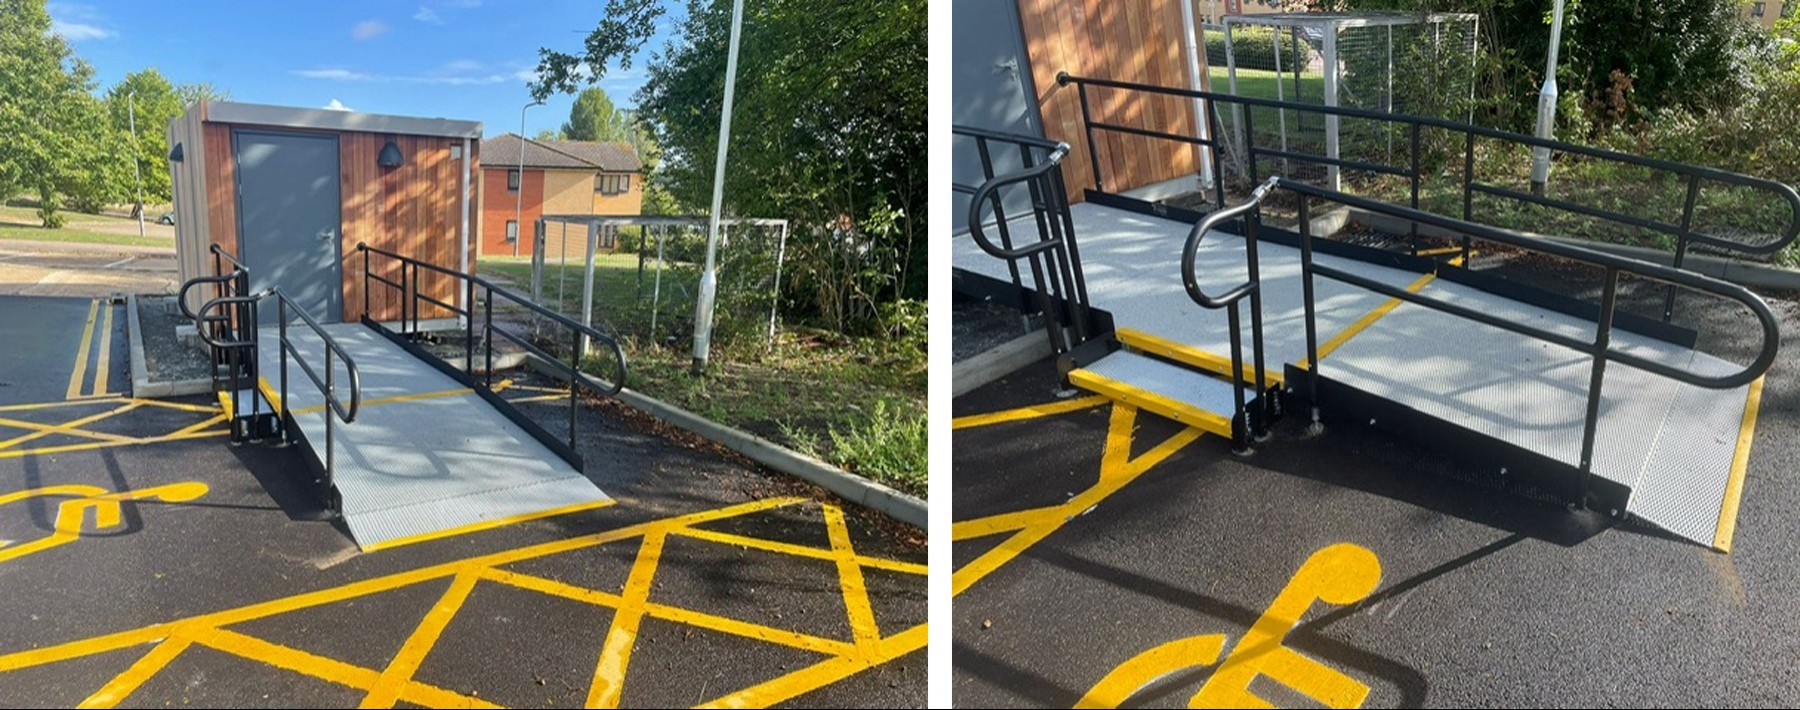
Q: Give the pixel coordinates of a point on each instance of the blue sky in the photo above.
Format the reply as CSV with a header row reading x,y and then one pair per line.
x,y
464,59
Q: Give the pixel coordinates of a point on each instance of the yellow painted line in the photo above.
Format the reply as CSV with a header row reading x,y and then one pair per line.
x,y
540,398
328,669
104,369
124,684
57,429
1367,320
1004,522
406,662
1031,412
502,385
79,373
1117,469
15,453
197,426
66,427
228,617
225,399
621,639
788,548
183,406
820,674
1190,355
1188,414
863,627
783,637
1740,463
487,525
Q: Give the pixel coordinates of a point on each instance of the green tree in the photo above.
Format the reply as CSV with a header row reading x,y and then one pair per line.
x,y
595,118
828,131
154,103
55,140
548,134
201,91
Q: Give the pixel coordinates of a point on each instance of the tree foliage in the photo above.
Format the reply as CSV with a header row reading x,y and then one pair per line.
x,y
55,138
201,91
828,131
155,103
595,118
1686,54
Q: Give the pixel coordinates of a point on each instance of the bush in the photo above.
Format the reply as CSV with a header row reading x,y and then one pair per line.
x,y
1254,48
888,446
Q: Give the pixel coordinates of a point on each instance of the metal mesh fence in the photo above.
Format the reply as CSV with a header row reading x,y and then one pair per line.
x,y
1420,64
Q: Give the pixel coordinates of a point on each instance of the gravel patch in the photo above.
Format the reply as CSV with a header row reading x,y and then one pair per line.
x,y
166,358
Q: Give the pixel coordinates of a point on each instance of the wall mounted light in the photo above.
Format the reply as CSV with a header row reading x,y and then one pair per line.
x,y
390,156
175,154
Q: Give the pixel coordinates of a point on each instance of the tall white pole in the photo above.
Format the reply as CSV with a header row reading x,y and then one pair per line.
x,y
1546,118
709,280
519,194
136,174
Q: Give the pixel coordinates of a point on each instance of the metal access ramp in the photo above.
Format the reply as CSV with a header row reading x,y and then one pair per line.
x,y
399,442
426,452
1584,401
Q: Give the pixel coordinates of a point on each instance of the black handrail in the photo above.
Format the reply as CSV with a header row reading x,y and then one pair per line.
x,y
327,385
580,334
1599,349
1062,298
1241,423
1683,229
227,324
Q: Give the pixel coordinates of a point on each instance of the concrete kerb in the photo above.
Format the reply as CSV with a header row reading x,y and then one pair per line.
x,y
853,488
141,385
998,362
1735,270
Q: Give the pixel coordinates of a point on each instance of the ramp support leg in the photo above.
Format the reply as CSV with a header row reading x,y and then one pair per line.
x,y
1312,322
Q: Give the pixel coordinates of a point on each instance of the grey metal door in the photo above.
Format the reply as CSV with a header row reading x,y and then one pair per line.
x,y
990,87
288,219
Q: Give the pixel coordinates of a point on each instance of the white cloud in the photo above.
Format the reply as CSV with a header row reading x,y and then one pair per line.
x,y
426,14
369,29
461,72
77,22
336,105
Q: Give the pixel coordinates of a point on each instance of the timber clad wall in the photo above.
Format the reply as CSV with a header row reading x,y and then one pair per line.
x,y
1126,41
410,210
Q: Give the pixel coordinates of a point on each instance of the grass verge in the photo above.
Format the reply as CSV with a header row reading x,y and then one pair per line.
x,y
76,236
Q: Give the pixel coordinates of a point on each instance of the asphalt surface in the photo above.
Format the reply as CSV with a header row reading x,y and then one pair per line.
x,y
40,348
256,540
1486,597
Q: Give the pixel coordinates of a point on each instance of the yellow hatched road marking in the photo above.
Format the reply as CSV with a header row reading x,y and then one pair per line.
x,y
1740,463
69,427
621,639
850,577
1031,412
1117,469
396,682
406,662
788,548
78,373
124,684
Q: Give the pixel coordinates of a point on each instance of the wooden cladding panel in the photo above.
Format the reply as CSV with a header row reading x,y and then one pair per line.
x,y
1126,41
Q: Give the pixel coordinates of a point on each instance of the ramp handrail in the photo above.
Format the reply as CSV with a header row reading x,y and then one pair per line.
x,y
1693,176
1055,251
227,324
581,335
327,385
1251,288
1599,348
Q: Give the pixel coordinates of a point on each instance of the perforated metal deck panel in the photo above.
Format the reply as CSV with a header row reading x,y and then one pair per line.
x,y
1172,381
425,454
1672,444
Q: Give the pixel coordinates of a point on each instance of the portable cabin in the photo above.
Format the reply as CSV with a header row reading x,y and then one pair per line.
x,y
291,192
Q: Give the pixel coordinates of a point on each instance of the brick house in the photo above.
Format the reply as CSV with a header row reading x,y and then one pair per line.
x,y
559,178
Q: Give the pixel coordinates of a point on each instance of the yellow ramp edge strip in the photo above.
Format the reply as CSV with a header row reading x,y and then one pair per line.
x,y
1153,402
1734,487
1369,319
1191,356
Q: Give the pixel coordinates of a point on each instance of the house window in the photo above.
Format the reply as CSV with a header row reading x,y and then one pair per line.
x,y
612,184
512,181
1757,9
512,231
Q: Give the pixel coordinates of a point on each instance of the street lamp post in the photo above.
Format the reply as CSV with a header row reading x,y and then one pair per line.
x,y
136,173
1546,118
519,194
709,279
